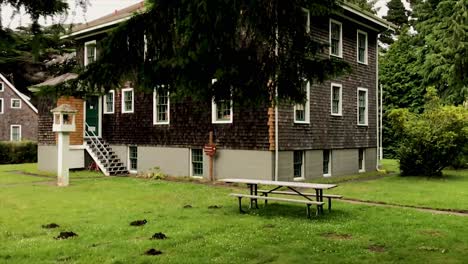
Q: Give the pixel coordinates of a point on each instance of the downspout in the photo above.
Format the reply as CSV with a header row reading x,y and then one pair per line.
x,y
377,103
276,134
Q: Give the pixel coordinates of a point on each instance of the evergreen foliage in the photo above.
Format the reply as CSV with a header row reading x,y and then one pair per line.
x,y
250,47
432,140
398,15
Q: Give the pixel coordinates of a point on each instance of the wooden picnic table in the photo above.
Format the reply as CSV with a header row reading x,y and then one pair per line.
x,y
293,186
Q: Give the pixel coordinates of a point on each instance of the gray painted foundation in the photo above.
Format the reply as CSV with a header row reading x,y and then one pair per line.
x,y
47,158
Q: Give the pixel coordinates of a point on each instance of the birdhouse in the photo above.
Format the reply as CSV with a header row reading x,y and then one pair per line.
x,y
64,119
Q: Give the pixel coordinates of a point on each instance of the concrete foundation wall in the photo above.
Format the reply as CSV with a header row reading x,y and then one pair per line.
x,y
244,164
371,159
47,158
344,162
313,164
285,166
171,161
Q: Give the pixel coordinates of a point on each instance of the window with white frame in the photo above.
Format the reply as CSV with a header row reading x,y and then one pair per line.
x,y
2,87
336,38
127,100
1,105
327,154
298,164
221,110
362,107
89,52
109,102
361,160
161,107
132,158
306,19
362,47
302,110
197,162
336,99
15,103
15,133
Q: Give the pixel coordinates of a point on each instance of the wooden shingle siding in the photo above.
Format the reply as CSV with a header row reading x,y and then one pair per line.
x,y
190,124
326,131
46,119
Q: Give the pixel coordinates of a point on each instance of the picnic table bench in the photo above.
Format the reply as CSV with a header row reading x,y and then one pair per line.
x,y
292,186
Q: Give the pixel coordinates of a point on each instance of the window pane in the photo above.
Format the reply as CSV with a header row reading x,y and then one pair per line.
x,y
362,39
197,162
110,102
336,100
162,105
133,156
223,110
90,52
1,106
298,155
362,107
361,159
326,162
128,99
16,103
335,38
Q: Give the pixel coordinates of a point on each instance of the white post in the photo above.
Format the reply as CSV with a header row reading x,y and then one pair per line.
x,y
62,166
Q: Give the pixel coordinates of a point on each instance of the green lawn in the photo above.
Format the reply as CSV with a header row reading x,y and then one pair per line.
x,y
99,210
448,192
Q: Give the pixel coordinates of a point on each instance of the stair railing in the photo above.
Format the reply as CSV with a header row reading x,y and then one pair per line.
x,y
97,143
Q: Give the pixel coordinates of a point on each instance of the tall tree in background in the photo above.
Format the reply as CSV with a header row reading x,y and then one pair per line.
x,y
252,48
398,15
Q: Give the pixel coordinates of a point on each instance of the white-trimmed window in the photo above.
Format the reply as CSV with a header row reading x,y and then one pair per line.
x,y
128,101
161,108
221,111
1,105
109,102
2,87
197,162
362,47
336,99
298,164
15,103
133,159
306,19
362,106
90,52
15,133
327,158
336,38
362,160
302,111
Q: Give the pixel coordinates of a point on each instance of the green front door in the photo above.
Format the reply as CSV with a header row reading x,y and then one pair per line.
x,y
92,115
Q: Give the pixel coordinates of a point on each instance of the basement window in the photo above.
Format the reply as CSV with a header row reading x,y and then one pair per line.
x,y
327,154
361,160
298,164
133,158
197,162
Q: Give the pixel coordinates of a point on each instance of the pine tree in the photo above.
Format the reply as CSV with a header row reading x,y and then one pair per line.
x,y
398,15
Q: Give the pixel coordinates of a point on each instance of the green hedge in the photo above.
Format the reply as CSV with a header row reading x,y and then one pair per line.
x,y
18,152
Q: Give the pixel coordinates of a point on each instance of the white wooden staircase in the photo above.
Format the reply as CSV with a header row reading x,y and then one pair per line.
x,y
103,155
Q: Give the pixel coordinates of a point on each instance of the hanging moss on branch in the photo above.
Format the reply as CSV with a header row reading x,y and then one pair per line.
x,y
249,46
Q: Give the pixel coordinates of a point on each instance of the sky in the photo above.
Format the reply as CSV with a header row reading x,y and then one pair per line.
x,y
98,8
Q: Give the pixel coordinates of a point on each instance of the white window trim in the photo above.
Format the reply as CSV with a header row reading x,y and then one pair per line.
x,y
340,104
191,165
2,87
214,110
11,103
329,174
129,163
307,12
113,102
2,106
306,109
86,51
302,178
363,160
357,47
367,106
340,46
155,109
123,101
11,132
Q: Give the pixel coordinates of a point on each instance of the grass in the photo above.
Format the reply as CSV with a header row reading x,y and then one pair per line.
x,y
99,210
448,192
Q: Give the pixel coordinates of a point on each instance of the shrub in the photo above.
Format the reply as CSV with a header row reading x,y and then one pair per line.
x,y
18,152
152,174
432,140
